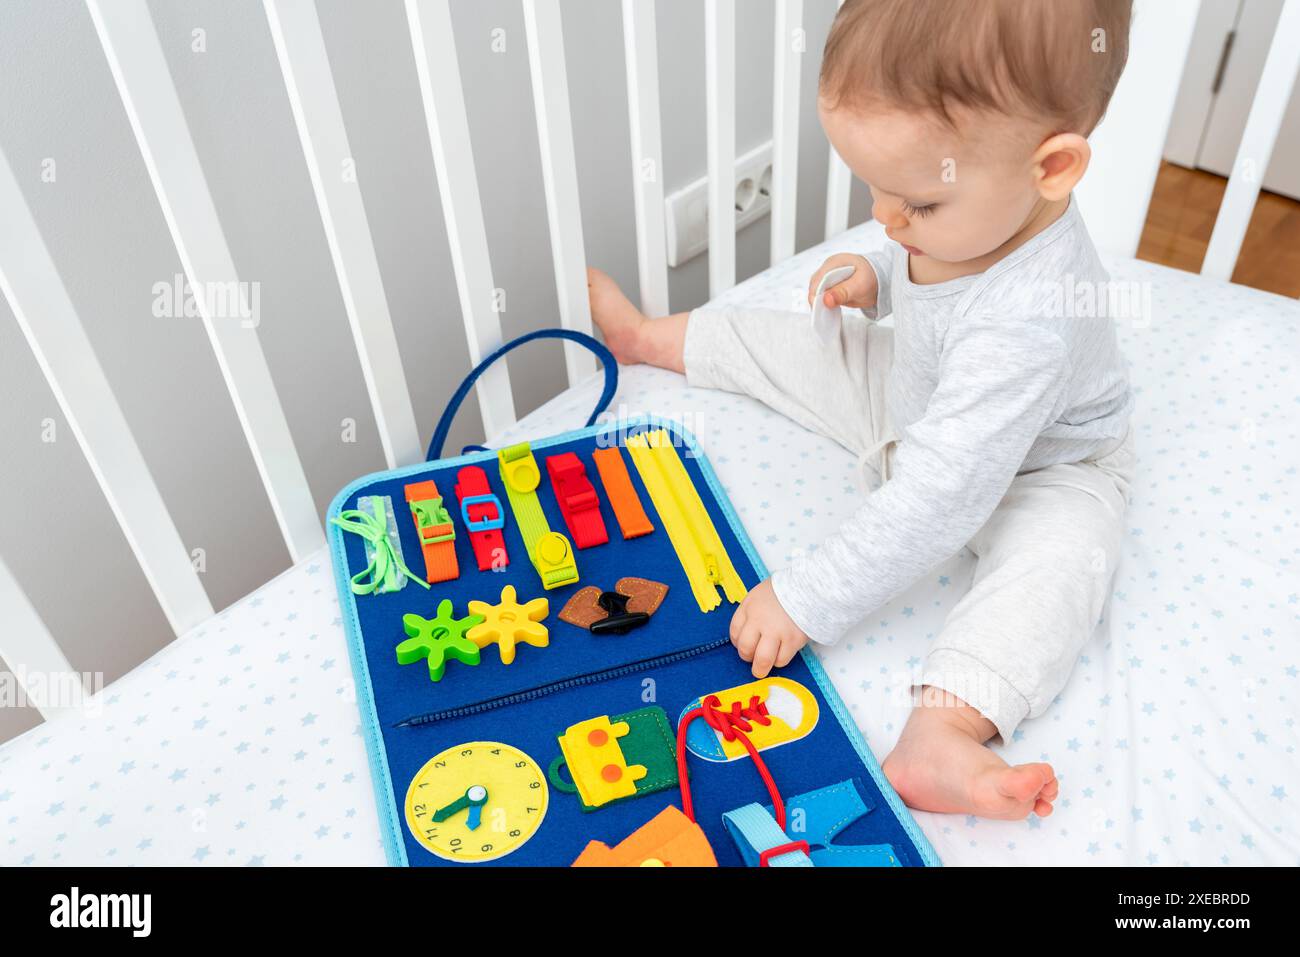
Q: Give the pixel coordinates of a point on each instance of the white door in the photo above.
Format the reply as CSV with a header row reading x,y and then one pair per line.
x,y
1223,68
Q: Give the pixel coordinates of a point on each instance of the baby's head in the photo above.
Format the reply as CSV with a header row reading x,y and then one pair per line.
x,y
965,118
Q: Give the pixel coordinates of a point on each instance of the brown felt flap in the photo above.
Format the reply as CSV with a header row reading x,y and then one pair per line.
x,y
645,595
583,608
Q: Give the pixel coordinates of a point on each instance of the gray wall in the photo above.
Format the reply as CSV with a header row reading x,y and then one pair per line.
x,y
106,232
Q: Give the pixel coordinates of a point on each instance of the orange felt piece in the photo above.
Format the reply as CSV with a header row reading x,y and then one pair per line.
x,y
669,839
632,519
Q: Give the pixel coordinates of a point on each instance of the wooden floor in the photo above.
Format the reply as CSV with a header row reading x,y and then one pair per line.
x,y
1181,218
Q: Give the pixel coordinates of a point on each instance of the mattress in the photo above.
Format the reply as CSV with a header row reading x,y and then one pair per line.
x,y
1174,740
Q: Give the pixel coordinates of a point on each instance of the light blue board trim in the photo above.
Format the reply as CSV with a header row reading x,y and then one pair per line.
x,y
386,797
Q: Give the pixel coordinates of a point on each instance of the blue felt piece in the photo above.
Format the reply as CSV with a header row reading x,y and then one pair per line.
x,y
756,832
818,817
680,655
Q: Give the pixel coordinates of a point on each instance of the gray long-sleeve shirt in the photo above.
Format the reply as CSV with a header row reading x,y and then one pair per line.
x,y
1007,371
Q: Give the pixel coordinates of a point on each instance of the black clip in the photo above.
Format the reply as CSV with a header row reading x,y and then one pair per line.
x,y
619,621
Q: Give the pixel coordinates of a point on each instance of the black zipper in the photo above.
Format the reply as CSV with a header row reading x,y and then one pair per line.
x,y
594,677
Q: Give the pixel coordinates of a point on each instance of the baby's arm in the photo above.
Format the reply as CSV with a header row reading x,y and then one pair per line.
x,y
1000,385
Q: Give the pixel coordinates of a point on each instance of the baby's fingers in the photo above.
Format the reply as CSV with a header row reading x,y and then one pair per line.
x,y
737,623
834,262
789,648
849,292
765,655
816,280
746,641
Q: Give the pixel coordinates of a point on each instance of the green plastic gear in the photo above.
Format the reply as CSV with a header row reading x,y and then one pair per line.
x,y
438,639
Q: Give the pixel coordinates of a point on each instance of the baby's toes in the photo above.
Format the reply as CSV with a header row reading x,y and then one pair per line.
x,y
1025,782
1051,790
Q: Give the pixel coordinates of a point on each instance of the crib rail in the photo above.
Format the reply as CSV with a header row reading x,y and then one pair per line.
x,y
641,56
144,83
1262,127
559,176
300,46
720,93
53,330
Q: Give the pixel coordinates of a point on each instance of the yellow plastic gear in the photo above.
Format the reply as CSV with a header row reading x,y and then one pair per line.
x,y
509,623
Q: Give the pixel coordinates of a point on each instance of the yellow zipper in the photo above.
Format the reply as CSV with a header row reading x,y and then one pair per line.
x,y
695,539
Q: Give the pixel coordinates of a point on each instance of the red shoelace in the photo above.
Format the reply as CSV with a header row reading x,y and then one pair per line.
x,y
733,723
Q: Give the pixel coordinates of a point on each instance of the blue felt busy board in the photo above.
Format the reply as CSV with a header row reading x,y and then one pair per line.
x,y
519,711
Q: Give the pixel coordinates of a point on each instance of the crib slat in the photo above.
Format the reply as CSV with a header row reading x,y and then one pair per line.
x,y
785,125
559,176
300,46
720,96
453,160
30,650
1267,111
640,50
839,185
144,83
39,300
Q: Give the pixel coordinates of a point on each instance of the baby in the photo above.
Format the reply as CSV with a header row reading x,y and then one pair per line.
x,y
985,418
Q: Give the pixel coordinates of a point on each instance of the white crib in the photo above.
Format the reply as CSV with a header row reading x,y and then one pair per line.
x,y
116,722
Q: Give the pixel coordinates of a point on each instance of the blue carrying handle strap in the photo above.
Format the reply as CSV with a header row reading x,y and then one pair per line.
x,y
581,338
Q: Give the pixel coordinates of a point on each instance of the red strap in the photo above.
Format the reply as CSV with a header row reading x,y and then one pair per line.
x,y
733,724
489,544
577,497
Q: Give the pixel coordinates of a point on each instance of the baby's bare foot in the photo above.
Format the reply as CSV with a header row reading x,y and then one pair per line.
x,y
620,322
940,764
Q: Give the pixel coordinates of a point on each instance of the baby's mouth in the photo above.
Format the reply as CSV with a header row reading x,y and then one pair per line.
x,y
912,250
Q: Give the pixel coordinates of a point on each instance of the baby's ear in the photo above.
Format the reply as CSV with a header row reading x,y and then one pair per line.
x,y
1059,163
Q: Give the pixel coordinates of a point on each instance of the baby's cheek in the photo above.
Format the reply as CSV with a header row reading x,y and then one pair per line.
x,y
977,221
963,238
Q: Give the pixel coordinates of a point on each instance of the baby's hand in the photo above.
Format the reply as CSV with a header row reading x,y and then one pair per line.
x,y
763,633
858,291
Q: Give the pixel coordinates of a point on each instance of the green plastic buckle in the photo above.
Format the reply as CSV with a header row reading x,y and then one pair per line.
x,y
430,513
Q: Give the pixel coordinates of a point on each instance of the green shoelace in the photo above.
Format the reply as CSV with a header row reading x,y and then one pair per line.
x,y
381,574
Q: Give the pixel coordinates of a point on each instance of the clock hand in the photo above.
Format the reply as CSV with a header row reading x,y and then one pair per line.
x,y
474,798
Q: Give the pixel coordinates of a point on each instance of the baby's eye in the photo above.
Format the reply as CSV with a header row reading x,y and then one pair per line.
x,y
919,212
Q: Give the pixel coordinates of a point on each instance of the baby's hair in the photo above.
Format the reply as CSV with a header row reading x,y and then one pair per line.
x,y
1053,60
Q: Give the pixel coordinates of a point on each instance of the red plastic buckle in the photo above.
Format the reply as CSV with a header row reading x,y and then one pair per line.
x,y
771,852
489,544
578,501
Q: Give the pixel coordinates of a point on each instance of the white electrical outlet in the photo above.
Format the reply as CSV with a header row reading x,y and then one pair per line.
x,y
686,211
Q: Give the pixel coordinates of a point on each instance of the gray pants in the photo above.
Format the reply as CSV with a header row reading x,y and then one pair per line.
x,y
1046,556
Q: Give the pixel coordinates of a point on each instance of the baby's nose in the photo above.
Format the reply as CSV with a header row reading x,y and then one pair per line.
x,y
888,214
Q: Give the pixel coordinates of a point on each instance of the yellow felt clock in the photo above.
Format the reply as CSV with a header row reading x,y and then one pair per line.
x,y
476,801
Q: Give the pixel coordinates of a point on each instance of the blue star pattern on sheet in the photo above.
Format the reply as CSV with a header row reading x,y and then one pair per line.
x,y
231,790
1173,740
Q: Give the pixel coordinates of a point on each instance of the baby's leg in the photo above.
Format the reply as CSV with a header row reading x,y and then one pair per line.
x,y
836,389
1046,559
631,335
